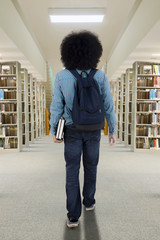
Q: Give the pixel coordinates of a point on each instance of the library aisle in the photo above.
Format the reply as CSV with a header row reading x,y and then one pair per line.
x,y
32,195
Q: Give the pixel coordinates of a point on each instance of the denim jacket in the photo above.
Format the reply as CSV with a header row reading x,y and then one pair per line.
x,y
63,95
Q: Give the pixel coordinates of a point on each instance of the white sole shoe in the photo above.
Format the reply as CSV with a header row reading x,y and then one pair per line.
x,y
90,208
72,224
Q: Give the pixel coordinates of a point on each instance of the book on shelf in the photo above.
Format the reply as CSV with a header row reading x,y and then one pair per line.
x,y
142,143
156,81
2,132
7,143
154,131
7,69
7,81
154,143
1,94
144,118
148,107
146,144
1,143
145,82
155,118
156,69
145,69
148,94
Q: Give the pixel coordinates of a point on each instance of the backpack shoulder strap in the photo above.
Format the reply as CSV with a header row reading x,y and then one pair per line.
x,y
75,73
92,73
78,76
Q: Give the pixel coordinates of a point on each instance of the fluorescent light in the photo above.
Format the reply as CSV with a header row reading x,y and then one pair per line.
x,y
76,18
156,54
76,15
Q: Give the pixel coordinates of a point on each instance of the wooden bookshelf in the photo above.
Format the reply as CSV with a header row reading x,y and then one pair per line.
x,y
128,106
10,107
146,107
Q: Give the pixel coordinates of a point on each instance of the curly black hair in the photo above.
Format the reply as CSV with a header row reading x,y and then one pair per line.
x,y
81,50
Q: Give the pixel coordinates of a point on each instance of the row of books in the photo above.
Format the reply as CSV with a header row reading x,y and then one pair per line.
x,y
8,143
148,81
149,69
12,107
148,131
156,69
155,118
7,82
148,107
7,69
8,107
144,118
154,131
8,118
148,94
147,143
8,131
10,94
152,118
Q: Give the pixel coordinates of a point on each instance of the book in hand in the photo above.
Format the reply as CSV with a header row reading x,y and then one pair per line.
x,y
60,129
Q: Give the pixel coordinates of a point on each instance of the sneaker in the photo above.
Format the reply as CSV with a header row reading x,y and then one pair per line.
x,y
72,223
92,207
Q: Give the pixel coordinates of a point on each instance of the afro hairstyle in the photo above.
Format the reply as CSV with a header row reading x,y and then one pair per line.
x,y
81,50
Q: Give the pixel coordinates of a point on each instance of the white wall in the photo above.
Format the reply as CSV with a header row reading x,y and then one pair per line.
x,y
13,26
145,17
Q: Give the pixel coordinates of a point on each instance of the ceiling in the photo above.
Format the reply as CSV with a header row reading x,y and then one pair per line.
x,y
49,36
10,52
143,52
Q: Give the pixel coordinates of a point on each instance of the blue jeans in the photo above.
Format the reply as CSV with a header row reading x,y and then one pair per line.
x,y
75,143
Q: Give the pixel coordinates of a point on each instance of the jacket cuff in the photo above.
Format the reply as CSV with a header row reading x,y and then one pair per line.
x,y
112,130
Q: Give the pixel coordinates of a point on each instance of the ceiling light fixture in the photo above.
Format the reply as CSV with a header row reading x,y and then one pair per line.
x,y
156,54
66,15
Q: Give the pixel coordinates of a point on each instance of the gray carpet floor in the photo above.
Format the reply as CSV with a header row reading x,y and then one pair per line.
x,y
32,195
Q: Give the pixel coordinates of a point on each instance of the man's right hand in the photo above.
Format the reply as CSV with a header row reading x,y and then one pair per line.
x,y
56,140
112,139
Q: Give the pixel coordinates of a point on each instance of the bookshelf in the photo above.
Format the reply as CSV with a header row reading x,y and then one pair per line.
x,y
44,110
39,108
117,108
25,100
10,107
146,107
30,109
128,106
122,109
35,111
113,87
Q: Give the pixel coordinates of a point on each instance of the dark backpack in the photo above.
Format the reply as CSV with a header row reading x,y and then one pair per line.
x,y
88,108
